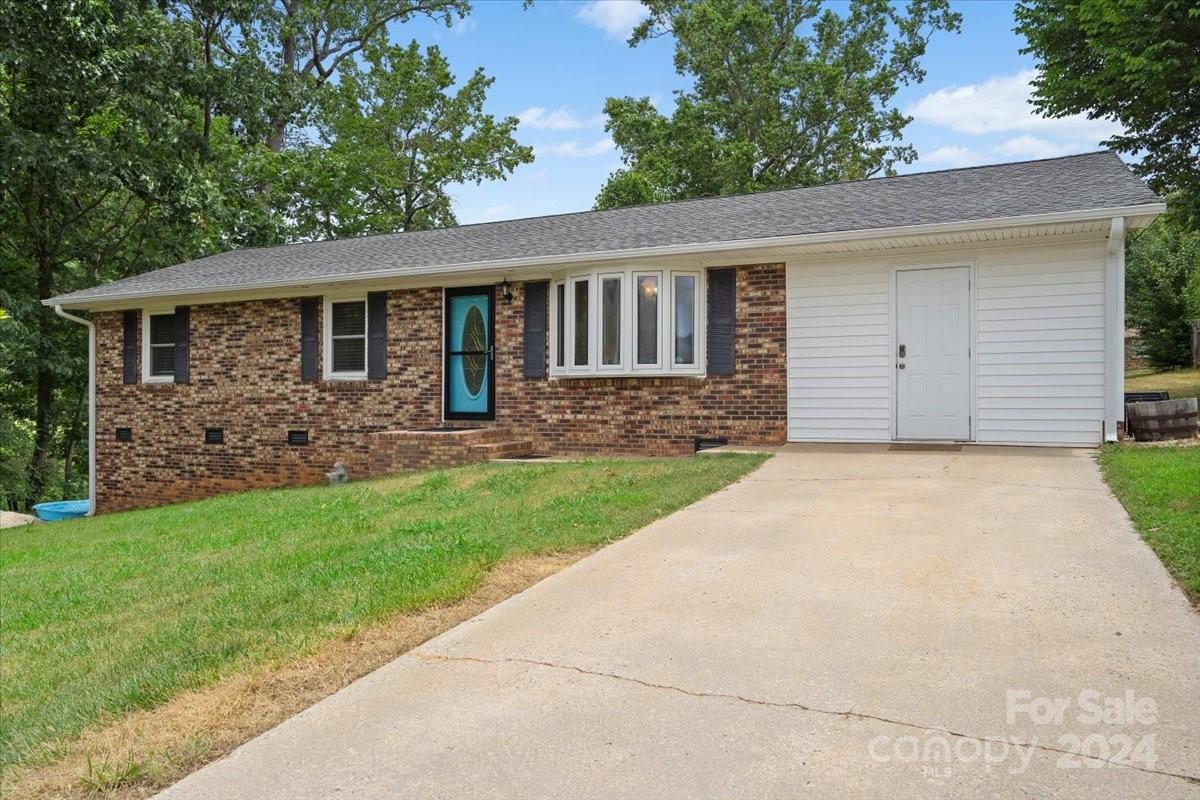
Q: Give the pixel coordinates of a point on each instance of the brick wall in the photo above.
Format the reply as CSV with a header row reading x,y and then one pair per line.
x,y
658,416
245,378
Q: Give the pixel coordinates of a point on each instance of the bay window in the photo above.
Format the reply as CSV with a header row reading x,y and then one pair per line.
x,y
627,322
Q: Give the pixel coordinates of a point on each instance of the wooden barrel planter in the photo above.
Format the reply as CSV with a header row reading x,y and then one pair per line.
x,y
1163,419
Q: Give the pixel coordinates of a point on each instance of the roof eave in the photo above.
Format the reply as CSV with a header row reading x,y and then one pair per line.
x,y
1141,210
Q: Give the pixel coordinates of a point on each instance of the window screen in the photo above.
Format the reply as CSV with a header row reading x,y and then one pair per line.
x,y
162,345
348,336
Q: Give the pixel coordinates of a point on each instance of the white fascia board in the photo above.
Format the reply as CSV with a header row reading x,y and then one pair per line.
x,y
566,259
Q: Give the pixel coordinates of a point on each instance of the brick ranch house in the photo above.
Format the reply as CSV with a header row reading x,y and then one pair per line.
x,y
979,305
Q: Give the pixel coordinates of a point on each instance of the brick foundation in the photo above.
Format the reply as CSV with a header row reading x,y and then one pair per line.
x,y
245,378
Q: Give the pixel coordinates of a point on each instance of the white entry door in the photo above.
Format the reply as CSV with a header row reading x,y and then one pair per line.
x,y
933,362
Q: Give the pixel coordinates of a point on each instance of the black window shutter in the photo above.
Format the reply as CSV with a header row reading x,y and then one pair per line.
x,y
720,321
183,317
129,348
376,335
536,323
308,339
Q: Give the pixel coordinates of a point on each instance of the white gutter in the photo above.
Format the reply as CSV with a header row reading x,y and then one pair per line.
x,y
791,240
91,404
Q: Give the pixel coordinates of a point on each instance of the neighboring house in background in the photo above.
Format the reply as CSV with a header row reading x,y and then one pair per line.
x,y
981,304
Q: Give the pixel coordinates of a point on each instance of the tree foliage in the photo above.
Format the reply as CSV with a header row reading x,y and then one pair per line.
x,y
267,66
137,134
1133,61
99,170
393,138
786,93
1162,291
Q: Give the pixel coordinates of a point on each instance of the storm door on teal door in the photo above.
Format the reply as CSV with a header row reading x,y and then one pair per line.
x,y
469,373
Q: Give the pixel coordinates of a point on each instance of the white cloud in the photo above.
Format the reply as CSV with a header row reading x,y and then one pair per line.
x,y
952,156
495,211
561,120
572,149
1027,146
1001,104
614,17
464,26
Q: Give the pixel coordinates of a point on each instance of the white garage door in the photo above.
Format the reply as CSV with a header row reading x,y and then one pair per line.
x,y
1037,350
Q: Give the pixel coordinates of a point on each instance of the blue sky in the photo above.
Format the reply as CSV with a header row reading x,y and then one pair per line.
x,y
555,64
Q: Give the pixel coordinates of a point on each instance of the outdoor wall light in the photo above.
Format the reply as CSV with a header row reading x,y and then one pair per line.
x,y
505,291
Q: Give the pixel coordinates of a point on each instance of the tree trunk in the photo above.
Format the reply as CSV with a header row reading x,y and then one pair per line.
x,y
278,129
45,388
69,442
279,119
208,75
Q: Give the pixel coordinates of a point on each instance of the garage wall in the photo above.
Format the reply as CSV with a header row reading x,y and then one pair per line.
x,y
839,351
1040,353
1039,349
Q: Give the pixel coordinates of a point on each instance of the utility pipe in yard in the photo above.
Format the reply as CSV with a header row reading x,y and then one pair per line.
x,y
91,404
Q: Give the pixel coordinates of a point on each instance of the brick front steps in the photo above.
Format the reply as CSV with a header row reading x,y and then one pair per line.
x,y
389,451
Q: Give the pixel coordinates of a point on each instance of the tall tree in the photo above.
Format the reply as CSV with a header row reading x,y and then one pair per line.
x,y
1133,61
96,151
283,51
785,93
1162,291
267,66
392,138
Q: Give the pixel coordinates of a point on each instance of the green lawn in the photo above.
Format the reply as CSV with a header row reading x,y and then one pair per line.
x,y
102,616
1160,488
1179,382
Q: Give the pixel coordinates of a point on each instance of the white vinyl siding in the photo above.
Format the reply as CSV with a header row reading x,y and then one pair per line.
x,y
1040,332
1038,348
839,352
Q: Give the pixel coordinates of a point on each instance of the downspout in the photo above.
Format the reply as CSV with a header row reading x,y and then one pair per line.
x,y
1114,323
91,404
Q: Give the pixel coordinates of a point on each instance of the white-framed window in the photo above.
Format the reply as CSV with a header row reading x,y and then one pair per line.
x,y
627,322
345,350
611,302
581,322
685,312
158,346
647,327
558,312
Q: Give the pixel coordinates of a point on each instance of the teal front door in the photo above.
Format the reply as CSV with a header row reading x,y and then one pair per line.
x,y
470,385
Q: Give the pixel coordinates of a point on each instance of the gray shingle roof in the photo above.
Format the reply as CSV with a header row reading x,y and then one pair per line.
x,y
1071,183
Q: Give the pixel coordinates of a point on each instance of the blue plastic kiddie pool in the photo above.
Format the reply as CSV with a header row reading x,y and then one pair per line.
x,y
61,509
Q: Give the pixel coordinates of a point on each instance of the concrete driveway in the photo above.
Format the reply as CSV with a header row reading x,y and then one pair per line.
x,y
845,622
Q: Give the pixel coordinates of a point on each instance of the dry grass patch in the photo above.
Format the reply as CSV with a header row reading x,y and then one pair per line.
x,y
148,750
1179,382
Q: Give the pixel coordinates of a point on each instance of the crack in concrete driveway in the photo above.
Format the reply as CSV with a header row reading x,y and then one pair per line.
x,y
847,713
